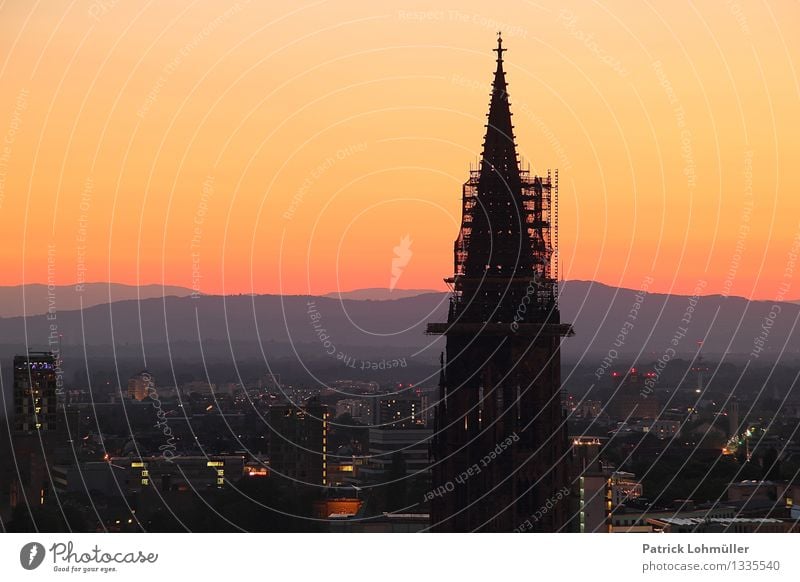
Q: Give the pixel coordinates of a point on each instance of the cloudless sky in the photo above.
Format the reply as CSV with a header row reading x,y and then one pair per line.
x,y
290,146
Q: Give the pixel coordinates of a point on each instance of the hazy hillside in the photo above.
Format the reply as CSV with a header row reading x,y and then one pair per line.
x,y
598,313
37,297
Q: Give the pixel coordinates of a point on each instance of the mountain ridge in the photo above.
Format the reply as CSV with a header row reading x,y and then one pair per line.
x,y
38,298
597,312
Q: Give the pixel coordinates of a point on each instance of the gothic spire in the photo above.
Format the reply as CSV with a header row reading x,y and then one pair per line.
x,y
499,150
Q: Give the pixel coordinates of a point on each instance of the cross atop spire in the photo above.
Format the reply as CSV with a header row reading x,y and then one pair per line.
x,y
499,50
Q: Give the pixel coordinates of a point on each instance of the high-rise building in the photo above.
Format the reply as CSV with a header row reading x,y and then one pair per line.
x,y
399,411
141,385
38,427
35,392
499,418
298,445
591,484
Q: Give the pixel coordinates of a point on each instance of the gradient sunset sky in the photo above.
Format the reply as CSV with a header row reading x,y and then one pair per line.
x,y
282,147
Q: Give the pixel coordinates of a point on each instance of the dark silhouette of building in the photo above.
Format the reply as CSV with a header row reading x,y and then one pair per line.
x,y
39,429
631,397
500,447
412,443
298,446
35,393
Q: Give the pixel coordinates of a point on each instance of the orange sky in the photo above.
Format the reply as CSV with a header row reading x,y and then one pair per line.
x,y
289,147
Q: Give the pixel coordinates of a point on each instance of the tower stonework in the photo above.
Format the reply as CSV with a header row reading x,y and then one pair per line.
x,y
499,451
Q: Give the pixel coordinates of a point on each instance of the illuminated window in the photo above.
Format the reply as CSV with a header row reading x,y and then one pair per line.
x,y
215,464
137,464
220,480
145,473
220,472
145,481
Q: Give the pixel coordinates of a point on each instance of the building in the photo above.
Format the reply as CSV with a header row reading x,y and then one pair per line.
x,y
398,411
336,508
141,385
500,382
601,492
130,475
588,409
43,432
778,493
624,488
384,523
200,388
636,518
257,467
722,525
633,396
591,487
35,393
665,429
343,471
412,443
298,443
359,409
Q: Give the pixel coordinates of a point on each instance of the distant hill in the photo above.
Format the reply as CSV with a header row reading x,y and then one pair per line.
x,y
379,294
66,297
244,325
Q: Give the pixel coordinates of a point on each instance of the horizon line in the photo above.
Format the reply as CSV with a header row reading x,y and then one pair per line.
x,y
340,292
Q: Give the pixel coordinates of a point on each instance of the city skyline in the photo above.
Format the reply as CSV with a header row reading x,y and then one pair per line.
x,y
333,268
